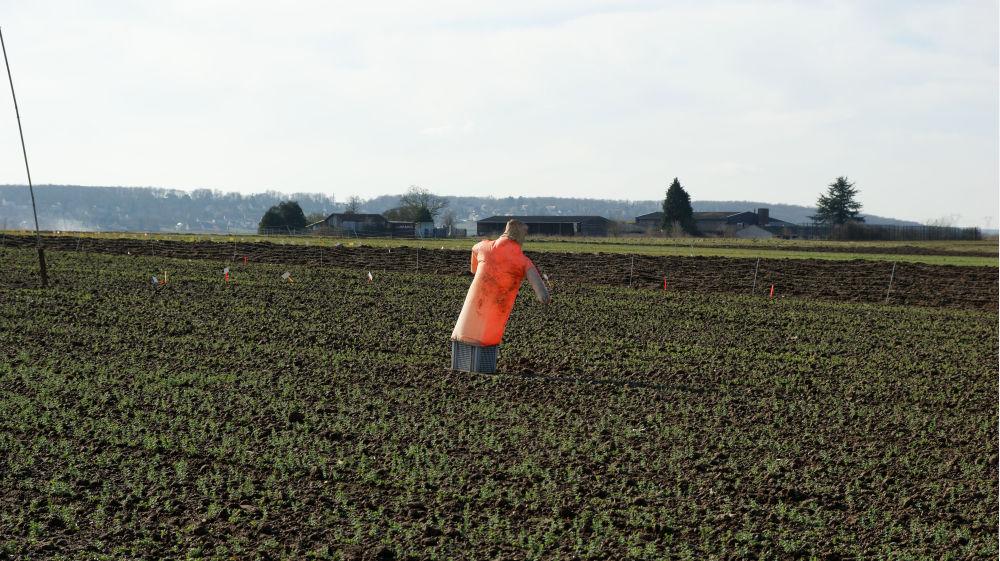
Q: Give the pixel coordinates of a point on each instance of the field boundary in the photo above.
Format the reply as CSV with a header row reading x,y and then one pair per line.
x,y
981,254
859,280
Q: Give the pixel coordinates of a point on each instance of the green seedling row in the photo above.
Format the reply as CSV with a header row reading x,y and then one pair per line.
x,y
317,419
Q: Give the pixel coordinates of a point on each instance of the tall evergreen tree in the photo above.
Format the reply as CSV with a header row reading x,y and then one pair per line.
x,y
677,209
838,205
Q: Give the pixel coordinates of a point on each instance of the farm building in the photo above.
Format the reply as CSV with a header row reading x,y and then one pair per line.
x,y
744,224
402,229
355,222
425,230
548,225
365,225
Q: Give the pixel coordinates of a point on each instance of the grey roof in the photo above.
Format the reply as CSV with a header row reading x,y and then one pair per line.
x,y
355,215
696,215
543,219
721,215
716,215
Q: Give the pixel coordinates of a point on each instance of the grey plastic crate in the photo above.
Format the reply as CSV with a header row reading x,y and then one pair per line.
x,y
473,358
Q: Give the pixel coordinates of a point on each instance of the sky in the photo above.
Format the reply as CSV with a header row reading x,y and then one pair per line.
x,y
763,101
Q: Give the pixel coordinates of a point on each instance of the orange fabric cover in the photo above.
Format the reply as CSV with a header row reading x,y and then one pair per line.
x,y
500,267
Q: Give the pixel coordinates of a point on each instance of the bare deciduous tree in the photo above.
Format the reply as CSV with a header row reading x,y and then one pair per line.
x,y
417,200
353,204
947,221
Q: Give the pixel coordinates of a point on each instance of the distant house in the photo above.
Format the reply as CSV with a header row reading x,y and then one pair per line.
x,y
725,223
425,230
357,224
401,229
548,225
354,222
453,232
652,221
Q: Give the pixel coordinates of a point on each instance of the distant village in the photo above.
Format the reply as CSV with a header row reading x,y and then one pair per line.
x,y
76,208
837,216
734,224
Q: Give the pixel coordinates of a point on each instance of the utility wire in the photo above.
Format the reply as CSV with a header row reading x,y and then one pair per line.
x,y
31,188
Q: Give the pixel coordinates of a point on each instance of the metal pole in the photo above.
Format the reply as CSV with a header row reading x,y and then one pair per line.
x,y
754,287
31,188
891,276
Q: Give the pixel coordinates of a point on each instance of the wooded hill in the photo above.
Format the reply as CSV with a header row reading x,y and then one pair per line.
x,y
155,209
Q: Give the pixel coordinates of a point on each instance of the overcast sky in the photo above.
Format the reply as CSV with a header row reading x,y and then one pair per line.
x,y
765,101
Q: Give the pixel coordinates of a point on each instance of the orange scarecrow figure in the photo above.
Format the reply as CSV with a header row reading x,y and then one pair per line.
x,y
499,267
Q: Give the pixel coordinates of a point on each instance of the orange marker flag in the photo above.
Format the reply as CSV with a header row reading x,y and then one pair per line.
x,y
664,283
772,291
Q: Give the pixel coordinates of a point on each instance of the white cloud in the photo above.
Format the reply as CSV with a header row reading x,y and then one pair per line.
x,y
742,100
450,130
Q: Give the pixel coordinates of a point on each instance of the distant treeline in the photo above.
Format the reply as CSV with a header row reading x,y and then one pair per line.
x,y
154,209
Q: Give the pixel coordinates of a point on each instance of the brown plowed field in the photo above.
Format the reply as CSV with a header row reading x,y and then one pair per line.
x,y
855,280
853,247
